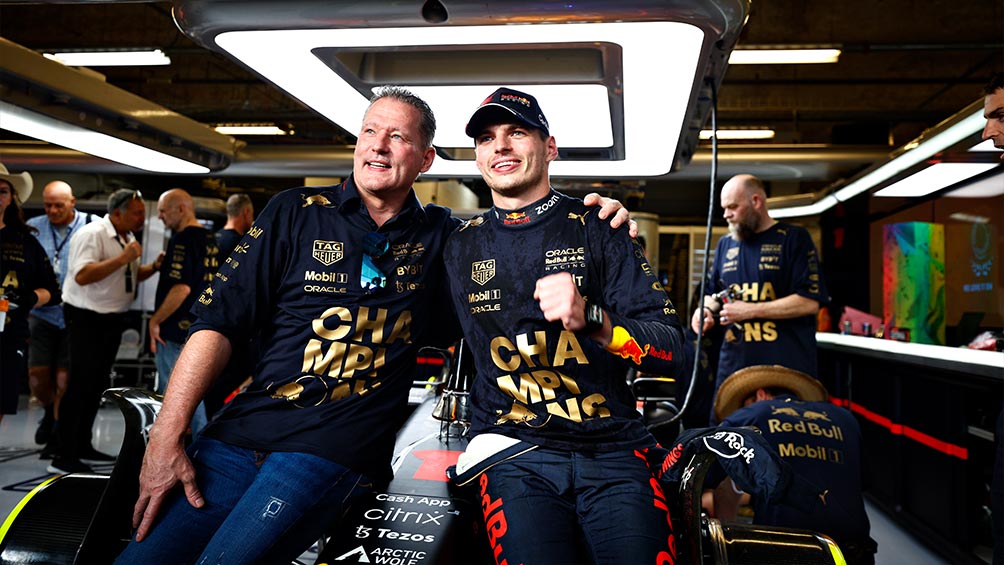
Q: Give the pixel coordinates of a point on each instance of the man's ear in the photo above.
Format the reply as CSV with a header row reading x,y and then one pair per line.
x,y
762,394
552,149
428,158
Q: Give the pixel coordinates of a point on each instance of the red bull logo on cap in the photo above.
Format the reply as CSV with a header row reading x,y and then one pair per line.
x,y
622,343
513,98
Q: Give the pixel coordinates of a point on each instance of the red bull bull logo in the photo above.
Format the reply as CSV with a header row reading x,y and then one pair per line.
x,y
624,344
515,218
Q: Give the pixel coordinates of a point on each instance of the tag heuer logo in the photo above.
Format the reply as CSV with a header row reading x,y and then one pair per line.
x,y
482,271
732,253
328,252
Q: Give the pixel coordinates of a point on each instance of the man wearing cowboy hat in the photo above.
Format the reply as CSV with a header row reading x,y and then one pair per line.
x,y
26,279
819,440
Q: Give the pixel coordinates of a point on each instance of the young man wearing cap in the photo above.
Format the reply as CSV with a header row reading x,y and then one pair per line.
x,y
819,440
26,280
555,306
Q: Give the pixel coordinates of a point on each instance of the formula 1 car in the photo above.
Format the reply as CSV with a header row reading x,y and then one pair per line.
x,y
418,519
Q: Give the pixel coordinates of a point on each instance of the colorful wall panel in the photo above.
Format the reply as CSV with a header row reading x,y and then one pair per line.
x,y
913,282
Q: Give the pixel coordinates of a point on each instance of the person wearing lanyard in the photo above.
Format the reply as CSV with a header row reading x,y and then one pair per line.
x,y
103,271
48,352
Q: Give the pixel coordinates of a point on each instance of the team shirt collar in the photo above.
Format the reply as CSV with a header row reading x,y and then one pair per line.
x,y
529,214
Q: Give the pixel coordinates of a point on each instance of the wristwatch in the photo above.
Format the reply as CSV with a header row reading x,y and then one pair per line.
x,y
594,318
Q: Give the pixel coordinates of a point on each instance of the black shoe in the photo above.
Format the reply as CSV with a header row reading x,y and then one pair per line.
x,y
49,451
65,465
93,456
44,432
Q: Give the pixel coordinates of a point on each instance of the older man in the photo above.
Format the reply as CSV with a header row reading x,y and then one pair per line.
x,y
316,427
188,266
773,270
49,350
103,273
240,216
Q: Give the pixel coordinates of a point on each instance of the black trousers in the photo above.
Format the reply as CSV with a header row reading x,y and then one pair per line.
x,y
94,341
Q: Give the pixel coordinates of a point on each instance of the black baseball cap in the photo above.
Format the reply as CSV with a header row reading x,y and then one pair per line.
x,y
502,106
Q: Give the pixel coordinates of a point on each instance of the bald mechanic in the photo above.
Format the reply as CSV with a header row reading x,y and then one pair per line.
x,y
49,349
774,269
186,267
316,427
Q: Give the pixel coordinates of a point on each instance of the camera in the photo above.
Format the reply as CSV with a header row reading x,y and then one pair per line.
x,y
727,295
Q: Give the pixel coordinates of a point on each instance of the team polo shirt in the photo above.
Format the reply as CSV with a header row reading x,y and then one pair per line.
x,y
191,258
56,243
775,263
536,381
94,242
335,362
821,442
24,267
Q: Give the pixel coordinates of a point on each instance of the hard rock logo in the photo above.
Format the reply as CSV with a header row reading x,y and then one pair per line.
x,y
732,253
483,271
328,252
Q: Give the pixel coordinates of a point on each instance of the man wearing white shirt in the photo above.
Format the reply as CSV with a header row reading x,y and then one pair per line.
x,y
102,275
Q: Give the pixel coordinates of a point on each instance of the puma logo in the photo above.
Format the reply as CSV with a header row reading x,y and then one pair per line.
x,y
581,218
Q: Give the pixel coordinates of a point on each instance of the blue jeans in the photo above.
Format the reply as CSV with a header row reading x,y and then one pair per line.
x,y
535,504
165,359
260,507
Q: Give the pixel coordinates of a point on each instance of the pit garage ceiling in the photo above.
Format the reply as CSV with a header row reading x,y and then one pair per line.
x,y
905,67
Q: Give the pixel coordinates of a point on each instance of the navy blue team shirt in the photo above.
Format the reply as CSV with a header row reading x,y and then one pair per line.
x,y
191,258
821,442
335,362
536,381
775,263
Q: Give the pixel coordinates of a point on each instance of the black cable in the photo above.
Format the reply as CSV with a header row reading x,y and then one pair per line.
x,y
707,249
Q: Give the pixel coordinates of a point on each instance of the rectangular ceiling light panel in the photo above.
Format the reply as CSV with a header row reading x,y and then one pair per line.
x,y
659,62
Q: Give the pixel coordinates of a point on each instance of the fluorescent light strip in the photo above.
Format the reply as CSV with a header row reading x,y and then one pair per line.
x,y
251,130
144,58
739,134
950,136
985,145
655,103
783,56
943,140
38,126
933,179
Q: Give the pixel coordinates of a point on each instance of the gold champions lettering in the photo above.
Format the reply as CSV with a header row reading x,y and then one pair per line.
x,y
758,292
342,352
540,384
